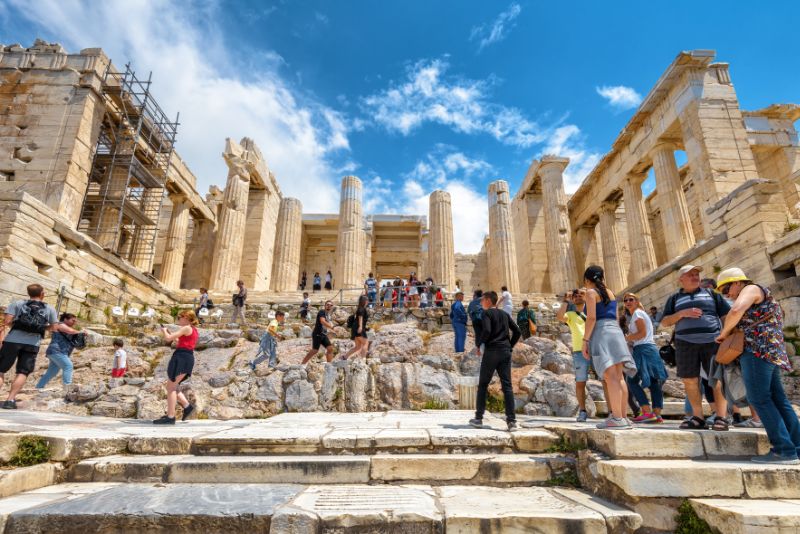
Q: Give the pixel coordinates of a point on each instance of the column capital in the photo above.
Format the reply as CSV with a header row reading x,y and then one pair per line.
x,y
609,206
178,197
662,145
552,163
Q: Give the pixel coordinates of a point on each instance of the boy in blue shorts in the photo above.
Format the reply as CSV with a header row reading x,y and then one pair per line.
x,y
573,315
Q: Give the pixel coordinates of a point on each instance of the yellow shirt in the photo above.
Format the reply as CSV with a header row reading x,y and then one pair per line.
x,y
273,327
577,327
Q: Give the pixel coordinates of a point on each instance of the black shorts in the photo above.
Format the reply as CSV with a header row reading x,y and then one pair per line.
x,y
690,357
354,334
22,353
320,341
181,363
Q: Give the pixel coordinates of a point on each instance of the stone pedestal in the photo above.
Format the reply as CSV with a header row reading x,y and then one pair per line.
x,y
227,259
612,251
350,243
678,234
286,268
502,249
560,256
441,251
643,256
175,246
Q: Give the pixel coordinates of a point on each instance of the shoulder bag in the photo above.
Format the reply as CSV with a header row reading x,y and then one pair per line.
x,y
733,345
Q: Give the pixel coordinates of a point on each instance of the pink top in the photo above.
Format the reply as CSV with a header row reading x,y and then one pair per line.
x,y
188,342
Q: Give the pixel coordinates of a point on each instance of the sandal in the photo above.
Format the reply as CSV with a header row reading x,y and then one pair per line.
x,y
695,423
720,424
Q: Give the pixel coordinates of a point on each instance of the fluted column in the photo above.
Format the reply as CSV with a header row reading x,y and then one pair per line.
x,y
643,255
502,253
560,256
589,249
286,269
350,244
678,234
441,251
612,252
175,246
227,259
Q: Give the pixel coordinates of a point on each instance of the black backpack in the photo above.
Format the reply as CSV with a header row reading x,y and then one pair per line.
x,y
667,352
351,320
32,318
209,304
78,340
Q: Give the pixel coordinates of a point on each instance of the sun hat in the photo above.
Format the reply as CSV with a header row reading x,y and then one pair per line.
x,y
728,276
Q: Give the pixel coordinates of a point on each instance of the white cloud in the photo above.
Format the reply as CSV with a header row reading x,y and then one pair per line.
x,y
567,141
429,95
620,97
194,73
498,30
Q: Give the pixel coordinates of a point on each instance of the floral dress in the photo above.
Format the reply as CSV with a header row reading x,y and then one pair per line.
x,y
765,339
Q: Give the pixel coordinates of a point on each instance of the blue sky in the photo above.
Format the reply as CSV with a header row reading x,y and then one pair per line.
x,y
413,96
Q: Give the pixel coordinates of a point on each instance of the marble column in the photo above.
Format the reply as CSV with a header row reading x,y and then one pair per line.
x,y
175,245
144,242
678,234
441,251
589,249
612,251
560,256
643,255
227,260
286,269
350,244
502,252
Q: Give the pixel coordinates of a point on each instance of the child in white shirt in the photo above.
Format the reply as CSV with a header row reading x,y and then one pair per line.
x,y
120,360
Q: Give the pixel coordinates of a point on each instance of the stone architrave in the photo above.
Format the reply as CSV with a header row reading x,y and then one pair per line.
x,y
286,269
678,234
560,256
612,251
175,246
350,243
643,256
502,250
441,251
226,263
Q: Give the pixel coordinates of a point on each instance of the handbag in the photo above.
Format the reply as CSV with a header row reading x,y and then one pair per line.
x,y
667,352
531,327
733,345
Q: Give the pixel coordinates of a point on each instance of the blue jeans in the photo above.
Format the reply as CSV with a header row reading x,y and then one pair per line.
x,y
58,362
460,330
638,391
371,296
762,380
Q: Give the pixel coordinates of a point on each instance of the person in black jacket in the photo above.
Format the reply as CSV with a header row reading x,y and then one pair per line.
x,y
496,357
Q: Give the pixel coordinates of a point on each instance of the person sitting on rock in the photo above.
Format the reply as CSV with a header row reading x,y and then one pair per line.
x,y
319,336
268,344
180,365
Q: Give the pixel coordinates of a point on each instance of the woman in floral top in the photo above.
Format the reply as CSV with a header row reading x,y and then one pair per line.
x,y
759,316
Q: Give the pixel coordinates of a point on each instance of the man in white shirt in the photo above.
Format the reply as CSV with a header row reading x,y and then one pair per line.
x,y
506,303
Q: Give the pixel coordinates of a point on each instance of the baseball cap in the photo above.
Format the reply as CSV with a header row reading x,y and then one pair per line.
x,y
686,268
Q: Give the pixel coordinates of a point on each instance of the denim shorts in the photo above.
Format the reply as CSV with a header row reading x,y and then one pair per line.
x,y
581,366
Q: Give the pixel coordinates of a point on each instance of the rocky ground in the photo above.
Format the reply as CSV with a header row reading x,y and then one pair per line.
x,y
411,365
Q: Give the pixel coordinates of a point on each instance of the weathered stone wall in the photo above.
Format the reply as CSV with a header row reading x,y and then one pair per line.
x,y
471,270
529,232
39,246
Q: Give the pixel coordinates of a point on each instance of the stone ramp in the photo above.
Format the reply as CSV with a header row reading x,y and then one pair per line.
x,y
434,469
736,516
287,508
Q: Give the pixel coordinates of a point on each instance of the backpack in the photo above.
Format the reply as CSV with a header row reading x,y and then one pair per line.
x,y
32,318
351,320
78,340
209,304
476,314
667,352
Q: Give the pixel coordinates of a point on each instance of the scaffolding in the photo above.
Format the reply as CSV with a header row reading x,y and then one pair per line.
x,y
127,182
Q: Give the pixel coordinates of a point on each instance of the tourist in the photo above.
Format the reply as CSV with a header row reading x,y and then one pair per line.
x,y
475,312
654,317
204,303
605,344
622,319
423,296
268,344
696,313
304,306
439,298
573,315
401,294
506,303
458,318
358,330
651,373
28,320
317,283
413,295
319,336
496,357
371,287
756,312
526,320
328,280
303,281
119,365
61,345
180,365
239,298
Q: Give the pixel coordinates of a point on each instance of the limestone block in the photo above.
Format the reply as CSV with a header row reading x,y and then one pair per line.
x,y
674,478
21,479
746,516
271,469
516,468
301,397
771,481
419,467
618,518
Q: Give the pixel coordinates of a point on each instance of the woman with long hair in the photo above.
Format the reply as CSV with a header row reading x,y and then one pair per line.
x,y
180,365
604,343
358,331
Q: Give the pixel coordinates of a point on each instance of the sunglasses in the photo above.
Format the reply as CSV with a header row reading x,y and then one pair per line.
x,y
628,300
725,289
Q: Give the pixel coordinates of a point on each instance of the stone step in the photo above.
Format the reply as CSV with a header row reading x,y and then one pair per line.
x,y
435,469
700,478
297,509
756,516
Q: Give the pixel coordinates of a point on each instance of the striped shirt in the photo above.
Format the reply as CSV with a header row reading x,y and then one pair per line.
x,y
705,328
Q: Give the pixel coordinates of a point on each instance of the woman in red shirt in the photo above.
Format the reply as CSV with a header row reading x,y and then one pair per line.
x,y
180,365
